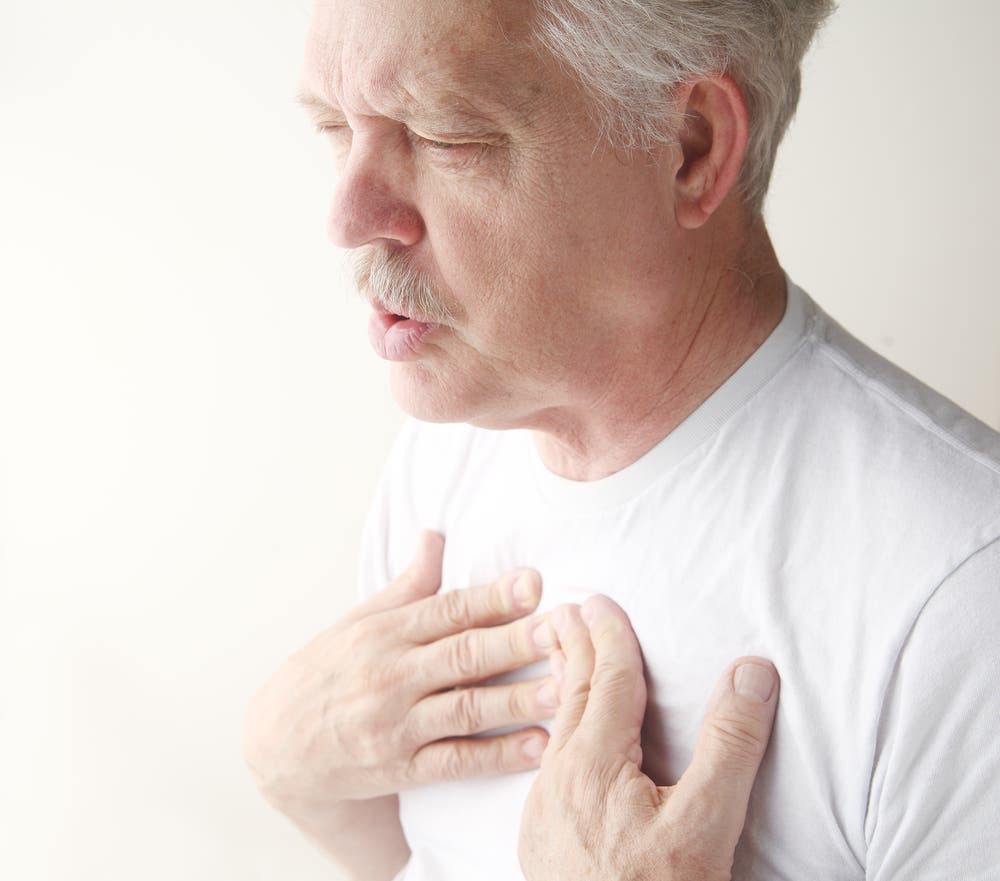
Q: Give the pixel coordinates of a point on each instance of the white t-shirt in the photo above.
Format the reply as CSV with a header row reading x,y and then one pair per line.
x,y
822,509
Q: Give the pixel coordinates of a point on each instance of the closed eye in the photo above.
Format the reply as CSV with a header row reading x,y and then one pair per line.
x,y
325,128
441,145
454,154
438,144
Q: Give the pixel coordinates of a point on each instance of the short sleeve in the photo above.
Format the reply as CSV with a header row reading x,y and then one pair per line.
x,y
934,805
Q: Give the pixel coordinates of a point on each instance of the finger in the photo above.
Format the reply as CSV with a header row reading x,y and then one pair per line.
x,y
474,710
557,664
476,654
467,757
455,611
420,579
731,744
574,642
617,702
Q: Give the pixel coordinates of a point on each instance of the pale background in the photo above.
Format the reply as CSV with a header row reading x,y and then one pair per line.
x,y
192,421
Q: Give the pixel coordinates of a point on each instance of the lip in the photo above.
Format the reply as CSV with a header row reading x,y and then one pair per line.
x,y
397,339
379,309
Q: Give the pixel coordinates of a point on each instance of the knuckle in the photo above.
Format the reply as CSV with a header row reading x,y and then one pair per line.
x,y
736,740
463,655
383,678
518,703
363,633
468,711
516,639
454,764
414,771
414,731
453,608
614,679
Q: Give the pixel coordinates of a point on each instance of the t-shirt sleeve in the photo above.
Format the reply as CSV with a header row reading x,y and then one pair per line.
x,y
934,805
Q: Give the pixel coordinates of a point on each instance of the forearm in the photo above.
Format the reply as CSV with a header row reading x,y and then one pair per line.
x,y
364,838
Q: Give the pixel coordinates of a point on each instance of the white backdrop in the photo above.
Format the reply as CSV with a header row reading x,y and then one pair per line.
x,y
192,421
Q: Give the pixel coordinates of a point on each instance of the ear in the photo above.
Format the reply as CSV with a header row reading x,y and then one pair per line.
x,y
713,142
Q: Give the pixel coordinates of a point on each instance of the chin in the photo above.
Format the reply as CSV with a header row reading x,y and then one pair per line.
x,y
422,394
430,397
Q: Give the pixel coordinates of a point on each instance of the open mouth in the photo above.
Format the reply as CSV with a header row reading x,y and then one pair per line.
x,y
393,317
397,337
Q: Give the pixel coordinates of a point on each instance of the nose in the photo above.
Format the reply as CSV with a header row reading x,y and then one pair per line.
x,y
370,202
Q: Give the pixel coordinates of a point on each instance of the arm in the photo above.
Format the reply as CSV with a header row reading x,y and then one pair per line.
x,y
934,804
363,838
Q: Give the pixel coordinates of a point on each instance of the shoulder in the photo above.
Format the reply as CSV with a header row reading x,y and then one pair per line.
x,y
908,405
934,795
867,434
870,488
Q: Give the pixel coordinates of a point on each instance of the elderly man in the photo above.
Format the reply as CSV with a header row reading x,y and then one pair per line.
x,y
556,212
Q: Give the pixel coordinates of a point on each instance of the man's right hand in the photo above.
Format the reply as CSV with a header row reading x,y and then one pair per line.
x,y
373,705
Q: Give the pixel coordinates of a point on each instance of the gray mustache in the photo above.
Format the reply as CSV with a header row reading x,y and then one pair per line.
x,y
392,279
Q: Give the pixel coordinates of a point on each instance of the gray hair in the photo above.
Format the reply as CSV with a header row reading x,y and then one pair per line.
x,y
390,279
631,53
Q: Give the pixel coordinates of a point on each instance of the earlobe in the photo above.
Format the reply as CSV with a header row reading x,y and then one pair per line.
x,y
713,141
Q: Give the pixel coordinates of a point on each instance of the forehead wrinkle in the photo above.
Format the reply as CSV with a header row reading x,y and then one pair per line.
x,y
432,74
476,90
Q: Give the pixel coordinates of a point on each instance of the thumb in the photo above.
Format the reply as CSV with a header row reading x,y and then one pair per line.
x,y
420,579
423,576
731,744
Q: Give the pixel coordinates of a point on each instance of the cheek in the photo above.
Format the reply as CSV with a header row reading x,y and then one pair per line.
x,y
519,264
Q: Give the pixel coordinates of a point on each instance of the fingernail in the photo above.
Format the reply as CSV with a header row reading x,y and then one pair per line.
x,y
754,681
543,637
547,696
525,594
533,747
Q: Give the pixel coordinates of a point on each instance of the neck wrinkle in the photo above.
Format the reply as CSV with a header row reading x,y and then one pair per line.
x,y
742,309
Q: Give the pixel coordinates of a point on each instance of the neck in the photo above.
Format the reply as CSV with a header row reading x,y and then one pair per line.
x,y
719,318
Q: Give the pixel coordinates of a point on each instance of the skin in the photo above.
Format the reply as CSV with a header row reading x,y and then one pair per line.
x,y
596,298
599,297
592,815
387,698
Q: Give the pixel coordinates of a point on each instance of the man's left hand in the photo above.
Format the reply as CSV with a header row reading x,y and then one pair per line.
x,y
592,815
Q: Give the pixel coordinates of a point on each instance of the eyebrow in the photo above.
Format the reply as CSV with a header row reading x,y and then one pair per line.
x,y
314,104
454,111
